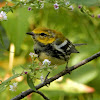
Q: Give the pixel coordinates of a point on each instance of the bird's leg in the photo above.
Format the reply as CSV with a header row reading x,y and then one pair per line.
x,y
67,69
46,79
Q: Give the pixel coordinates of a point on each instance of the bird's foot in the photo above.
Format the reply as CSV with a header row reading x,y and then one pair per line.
x,y
67,69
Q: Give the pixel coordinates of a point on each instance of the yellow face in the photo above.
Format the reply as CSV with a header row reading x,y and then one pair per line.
x,y
45,35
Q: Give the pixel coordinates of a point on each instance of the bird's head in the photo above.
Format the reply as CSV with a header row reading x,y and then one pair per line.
x,y
46,36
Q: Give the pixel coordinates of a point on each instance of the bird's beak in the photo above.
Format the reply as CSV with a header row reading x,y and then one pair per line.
x,y
30,33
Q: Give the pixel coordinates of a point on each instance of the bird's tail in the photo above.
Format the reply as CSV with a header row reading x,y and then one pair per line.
x,y
80,44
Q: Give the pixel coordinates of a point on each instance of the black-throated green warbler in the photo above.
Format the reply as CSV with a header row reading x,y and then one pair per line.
x,y
52,45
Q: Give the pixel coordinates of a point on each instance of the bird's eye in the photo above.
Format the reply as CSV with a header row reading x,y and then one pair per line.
x,y
43,34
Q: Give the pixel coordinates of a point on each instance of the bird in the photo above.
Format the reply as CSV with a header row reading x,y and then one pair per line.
x,y
52,45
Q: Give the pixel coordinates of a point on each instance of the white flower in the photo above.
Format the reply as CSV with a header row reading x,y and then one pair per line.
x,y
3,16
33,54
46,62
56,6
13,87
42,5
24,3
71,7
41,78
67,3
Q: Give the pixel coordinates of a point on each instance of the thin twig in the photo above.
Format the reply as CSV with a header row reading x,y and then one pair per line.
x,y
42,95
46,76
46,79
62,73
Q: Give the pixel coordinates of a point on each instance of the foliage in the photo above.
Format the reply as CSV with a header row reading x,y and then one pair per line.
x,y
86,2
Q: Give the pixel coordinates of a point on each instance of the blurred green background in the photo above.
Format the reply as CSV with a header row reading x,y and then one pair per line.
x,y
77,27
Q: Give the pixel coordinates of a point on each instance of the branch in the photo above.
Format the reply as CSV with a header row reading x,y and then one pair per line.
x,y
62,73
41,95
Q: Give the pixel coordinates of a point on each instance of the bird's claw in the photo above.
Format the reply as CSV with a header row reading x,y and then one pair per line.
x,y
67,69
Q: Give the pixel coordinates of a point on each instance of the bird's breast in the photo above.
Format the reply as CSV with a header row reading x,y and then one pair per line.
x,y
54,60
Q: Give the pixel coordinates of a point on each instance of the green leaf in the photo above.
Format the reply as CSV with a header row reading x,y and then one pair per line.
x,y
86,2
5,83
16,26
30,83
2,88
9,79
